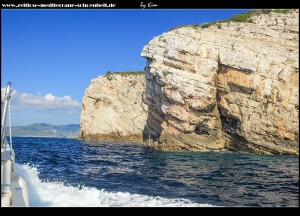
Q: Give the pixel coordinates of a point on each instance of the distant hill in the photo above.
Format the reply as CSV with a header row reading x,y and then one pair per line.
x,y
46,130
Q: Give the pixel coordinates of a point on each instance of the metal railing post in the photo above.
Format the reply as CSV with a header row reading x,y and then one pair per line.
x,y
7,96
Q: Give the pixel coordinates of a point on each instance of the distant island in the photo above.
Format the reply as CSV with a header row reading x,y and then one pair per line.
x,y
46,130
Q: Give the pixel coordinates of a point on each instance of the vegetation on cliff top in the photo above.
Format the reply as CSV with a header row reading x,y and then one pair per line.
x,y
244,17
280,11
109,74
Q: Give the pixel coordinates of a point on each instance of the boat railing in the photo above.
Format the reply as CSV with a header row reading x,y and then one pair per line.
x,y
4,111
14,190
6,152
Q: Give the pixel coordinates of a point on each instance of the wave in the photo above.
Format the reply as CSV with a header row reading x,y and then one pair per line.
x,y
56,194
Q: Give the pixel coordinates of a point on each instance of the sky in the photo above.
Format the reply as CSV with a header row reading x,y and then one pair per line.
x,y
51,56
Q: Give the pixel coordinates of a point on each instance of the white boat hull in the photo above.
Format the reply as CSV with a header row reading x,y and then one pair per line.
x,y
19,192
14,192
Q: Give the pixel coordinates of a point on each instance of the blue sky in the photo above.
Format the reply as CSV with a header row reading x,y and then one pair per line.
x,y
50,56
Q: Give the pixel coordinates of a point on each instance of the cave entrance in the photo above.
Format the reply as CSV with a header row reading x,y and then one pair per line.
x,y
230,125
200,130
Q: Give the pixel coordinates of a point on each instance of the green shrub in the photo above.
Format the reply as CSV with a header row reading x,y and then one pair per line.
x,y
206,25
241,18
125,73
259,11
110,78
221,21
280,11
177,27
109,74
195,26
244,17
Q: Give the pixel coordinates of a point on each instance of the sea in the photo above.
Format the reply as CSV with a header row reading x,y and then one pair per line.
x,y
63,172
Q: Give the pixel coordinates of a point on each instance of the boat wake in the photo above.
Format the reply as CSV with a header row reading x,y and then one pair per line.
x,y
56,194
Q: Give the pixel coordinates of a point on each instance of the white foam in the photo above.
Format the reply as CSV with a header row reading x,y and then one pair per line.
x,y
57,194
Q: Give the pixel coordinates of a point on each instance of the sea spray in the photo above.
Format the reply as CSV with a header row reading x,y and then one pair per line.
x,y
57,194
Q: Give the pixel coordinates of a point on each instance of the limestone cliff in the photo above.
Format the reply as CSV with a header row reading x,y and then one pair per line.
x,y
232,85
112,108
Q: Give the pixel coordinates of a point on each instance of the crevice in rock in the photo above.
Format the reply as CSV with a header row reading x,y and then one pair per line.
x,y
225,68
240,89
155,117
200,130
230,125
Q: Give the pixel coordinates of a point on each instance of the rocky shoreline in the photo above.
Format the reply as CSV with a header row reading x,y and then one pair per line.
x,y
230,85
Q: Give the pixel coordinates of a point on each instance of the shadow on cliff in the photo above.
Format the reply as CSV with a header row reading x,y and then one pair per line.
x,y
152,134
155,117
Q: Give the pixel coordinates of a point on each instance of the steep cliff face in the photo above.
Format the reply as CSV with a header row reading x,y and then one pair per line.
x,y
113,108
232,85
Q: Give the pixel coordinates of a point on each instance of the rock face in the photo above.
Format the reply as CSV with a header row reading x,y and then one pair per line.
x,y
230,86
112,108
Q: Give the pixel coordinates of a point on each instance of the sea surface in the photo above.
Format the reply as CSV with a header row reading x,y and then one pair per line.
x,y
70,172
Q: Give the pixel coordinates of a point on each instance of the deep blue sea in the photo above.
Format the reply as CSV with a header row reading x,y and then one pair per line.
x,y
70,172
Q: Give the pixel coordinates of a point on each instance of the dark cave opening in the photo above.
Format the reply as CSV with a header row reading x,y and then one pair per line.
x,y
200,130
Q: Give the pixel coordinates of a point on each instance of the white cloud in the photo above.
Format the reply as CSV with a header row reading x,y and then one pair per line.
x,y
46,103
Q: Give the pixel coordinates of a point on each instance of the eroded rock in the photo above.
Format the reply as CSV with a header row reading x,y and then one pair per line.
x,y
232,86
113,108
